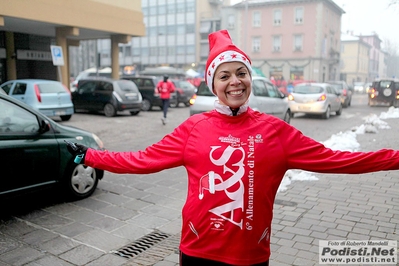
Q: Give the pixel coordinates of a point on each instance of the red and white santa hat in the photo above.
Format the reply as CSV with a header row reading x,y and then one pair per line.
x,y
222,50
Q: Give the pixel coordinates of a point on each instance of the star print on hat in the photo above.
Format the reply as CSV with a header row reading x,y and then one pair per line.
x,y
222,50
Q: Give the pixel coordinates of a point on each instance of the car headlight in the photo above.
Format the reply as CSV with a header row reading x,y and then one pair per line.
x,y
98,141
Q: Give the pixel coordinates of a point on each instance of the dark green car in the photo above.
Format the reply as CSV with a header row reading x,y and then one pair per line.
x,y
33,154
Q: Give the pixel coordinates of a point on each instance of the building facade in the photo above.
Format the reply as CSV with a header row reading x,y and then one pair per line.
x,y
355,59
291,39
173,30
29,28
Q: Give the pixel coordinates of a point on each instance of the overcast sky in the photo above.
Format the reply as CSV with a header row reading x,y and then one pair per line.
x,y
367,16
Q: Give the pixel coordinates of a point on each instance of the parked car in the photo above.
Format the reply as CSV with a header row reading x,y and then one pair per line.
x,y
384,92
107,95
147,86
315,98
89,73
34,156
49,97
184,91
345,91
265,98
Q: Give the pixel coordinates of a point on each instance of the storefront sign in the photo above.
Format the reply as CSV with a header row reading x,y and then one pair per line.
x,y
34,55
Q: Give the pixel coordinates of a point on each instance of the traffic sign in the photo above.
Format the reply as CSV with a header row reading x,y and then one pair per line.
x,y
56,53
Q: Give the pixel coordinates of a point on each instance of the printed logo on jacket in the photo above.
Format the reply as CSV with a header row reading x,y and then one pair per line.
x,y
231,180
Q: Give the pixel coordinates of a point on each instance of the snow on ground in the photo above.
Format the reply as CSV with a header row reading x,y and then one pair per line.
x,y
344,141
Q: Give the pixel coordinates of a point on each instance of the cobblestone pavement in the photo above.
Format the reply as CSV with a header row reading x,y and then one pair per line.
x,y
124,212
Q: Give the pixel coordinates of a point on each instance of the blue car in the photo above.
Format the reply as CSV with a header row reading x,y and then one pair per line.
x,y
49,97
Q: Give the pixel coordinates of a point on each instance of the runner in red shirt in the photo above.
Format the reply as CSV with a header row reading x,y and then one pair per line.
x,y
165,88
235,159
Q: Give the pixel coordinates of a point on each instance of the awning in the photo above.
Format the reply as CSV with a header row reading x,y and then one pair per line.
x,y
257,72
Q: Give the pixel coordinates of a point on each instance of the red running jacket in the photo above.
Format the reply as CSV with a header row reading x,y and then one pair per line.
x,y
234,167
165,89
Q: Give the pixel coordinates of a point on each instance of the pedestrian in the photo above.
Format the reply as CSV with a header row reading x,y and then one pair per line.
x,y
235,159
165,88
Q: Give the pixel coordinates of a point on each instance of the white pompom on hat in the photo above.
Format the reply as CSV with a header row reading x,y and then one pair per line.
x,y
222,50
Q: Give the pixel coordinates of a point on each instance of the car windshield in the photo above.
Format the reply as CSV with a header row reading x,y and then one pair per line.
x,y
338,87
51,88
203,90
126,85
185,85
308,89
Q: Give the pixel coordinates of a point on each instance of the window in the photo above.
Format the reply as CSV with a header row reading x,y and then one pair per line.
x,y
16,120
276,43
256,44
298,15
259,88
272,91
180,49
154,51
231,21
256,22
19,89
277,17
298,43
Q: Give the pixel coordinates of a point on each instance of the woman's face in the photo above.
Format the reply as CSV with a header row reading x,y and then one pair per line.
x,y
232,84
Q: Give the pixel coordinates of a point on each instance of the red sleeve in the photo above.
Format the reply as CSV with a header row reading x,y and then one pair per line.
x,y
307,154
167,153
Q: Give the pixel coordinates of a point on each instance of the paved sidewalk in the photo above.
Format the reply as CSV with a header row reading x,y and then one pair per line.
x,y
125,209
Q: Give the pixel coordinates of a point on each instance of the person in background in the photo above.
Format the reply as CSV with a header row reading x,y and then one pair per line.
x,y
290,87
235,159
165,88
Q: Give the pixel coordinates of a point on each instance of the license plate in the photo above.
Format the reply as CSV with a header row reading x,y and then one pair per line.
x,y
304,108
60,112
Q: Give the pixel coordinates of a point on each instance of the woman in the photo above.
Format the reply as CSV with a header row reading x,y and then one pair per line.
x,y
235,159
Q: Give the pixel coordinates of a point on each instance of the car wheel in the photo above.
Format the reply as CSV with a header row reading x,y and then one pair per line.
x,y
287,116
146,105
187,104
109,110
81,181
135,112
339,111
174,105
326,115
65,117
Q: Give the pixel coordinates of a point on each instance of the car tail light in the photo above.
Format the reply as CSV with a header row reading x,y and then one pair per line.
x,y
373,93
37,92
192,100
70,94
344,92
397,95
323,97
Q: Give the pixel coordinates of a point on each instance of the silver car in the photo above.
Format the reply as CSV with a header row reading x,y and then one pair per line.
x,y
315,98
265,98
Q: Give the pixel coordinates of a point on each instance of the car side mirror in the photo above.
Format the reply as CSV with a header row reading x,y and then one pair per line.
x,y
44,126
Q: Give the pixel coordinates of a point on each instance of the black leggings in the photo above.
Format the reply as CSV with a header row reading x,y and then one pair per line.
x,y
186,260
165,106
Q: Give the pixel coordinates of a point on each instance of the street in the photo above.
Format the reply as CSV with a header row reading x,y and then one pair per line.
x,y
125,208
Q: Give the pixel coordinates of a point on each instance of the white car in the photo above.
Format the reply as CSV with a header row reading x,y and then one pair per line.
x,y
265,98
315,98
